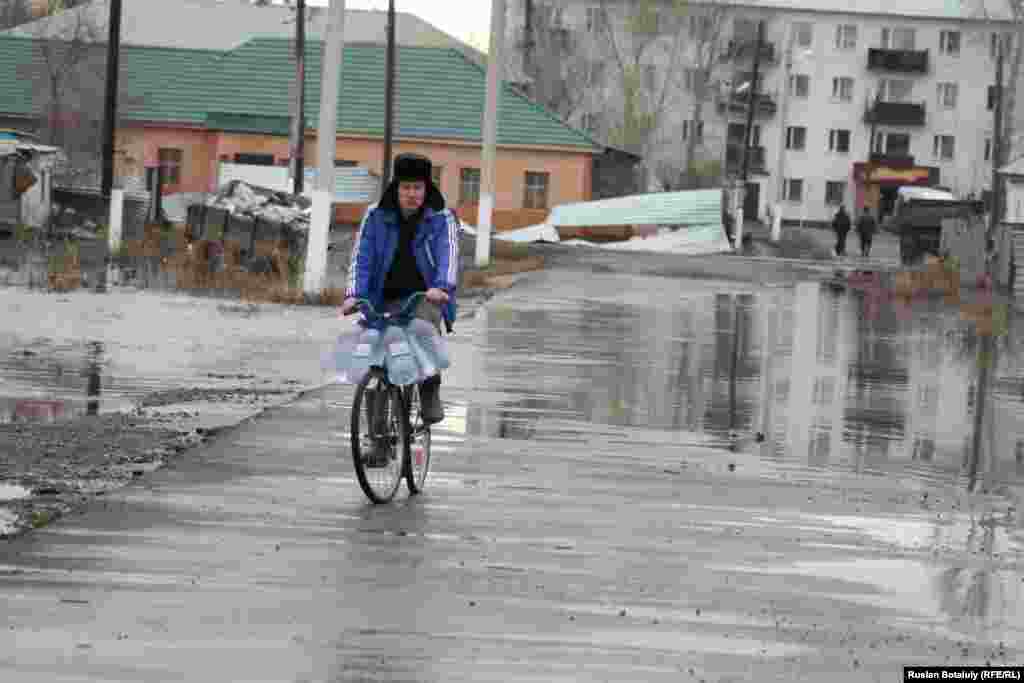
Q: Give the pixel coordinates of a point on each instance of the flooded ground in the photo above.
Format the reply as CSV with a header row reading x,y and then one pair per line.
x,y
640,478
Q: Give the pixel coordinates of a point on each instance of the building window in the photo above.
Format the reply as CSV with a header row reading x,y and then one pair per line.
x,y
695,128
255,159
949,43
988,149
846,37
796,137
898,38
896,89
947,95
803,33
842,88
992,94
993,48
793,190
944,147
345,163
436,174
690,80
834,191
171,161
892,144
736,134
469,185
800,85
839,141
596,19
588,122
535,194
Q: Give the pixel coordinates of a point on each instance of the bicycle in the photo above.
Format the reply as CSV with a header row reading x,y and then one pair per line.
x,y
393,417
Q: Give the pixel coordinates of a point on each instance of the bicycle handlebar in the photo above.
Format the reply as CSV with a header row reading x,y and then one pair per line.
x,y
374,316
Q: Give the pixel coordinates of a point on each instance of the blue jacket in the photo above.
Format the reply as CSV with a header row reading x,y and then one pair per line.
x,y
436,247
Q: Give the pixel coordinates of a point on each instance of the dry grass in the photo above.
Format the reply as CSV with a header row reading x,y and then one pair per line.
x,y
500,268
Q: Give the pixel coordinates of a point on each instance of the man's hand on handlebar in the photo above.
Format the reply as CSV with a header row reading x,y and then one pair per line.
x,y
437,296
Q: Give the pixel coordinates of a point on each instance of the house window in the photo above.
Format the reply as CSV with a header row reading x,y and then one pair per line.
x,y
596,19
255,159
839,141
988,149
846,37
892,144
947,95
796,137
803,34
737,132
436,174
690,80
896,89
800,85
993,48
793,189
949,43
171,161
588,122
944,147
535,194
695,128
842,88
898,38
834,191
469,185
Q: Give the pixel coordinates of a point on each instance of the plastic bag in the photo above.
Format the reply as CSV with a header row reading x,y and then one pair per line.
x,y
353,354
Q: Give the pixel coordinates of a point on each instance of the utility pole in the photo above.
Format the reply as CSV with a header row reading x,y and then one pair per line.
x,y
997,143
389,101
326,145
490,137
741,193
110,114
299,124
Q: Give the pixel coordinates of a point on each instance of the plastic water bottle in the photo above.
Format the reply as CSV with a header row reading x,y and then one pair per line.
x,y
422,348
362,356
431,342
402,366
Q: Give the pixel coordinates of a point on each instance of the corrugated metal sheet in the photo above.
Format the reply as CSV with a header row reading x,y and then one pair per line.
x,y
352,184
697,208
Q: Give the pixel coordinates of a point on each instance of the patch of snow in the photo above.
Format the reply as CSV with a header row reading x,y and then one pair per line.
x,y
13,492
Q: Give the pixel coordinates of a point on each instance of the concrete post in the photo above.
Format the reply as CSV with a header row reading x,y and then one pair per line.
x,y
326,141
777,222
115,231
490,135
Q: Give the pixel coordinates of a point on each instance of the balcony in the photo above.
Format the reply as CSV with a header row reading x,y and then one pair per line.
x,y
893,159
896,114
734,158
739,103
743,50
899,61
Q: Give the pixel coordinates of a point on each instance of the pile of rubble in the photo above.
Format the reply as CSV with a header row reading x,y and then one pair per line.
x,y
241,199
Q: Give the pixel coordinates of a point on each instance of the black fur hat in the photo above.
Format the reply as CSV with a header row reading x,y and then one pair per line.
x,y
409,167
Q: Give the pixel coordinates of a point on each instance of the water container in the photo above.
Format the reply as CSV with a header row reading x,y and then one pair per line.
x,y
339,359
431,342
363,356
402,366
422,349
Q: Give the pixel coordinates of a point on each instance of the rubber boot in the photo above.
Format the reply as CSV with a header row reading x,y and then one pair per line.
x,y
430,398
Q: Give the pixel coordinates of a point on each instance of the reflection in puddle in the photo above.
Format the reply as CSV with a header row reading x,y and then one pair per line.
x,y
828,387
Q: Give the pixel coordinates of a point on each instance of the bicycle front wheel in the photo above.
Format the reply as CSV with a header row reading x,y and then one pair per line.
x,y
378,435
417,445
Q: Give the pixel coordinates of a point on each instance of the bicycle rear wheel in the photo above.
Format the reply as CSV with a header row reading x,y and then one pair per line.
x,y
417,446
379,433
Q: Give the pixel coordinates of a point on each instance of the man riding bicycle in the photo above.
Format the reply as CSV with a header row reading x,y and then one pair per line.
x,y
409,243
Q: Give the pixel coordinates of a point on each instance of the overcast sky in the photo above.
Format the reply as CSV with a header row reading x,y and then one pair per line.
x,y
468,20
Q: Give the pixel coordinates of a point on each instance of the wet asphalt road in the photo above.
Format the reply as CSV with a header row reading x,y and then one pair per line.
x,y
585,520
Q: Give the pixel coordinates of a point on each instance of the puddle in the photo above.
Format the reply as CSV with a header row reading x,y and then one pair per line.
x,y
13,492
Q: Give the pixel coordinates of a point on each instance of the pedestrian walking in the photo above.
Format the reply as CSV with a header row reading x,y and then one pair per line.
x,y
841,224
866,227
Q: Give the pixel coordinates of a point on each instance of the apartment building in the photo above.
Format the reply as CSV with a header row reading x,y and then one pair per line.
x,y
855,99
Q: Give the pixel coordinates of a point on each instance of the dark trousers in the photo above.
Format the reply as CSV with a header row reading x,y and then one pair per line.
x,y
841,242
865,245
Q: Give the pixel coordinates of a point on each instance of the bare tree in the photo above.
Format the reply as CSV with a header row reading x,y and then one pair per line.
x,y
14,13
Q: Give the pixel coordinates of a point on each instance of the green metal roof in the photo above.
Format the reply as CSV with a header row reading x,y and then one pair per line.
x,y
440,93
